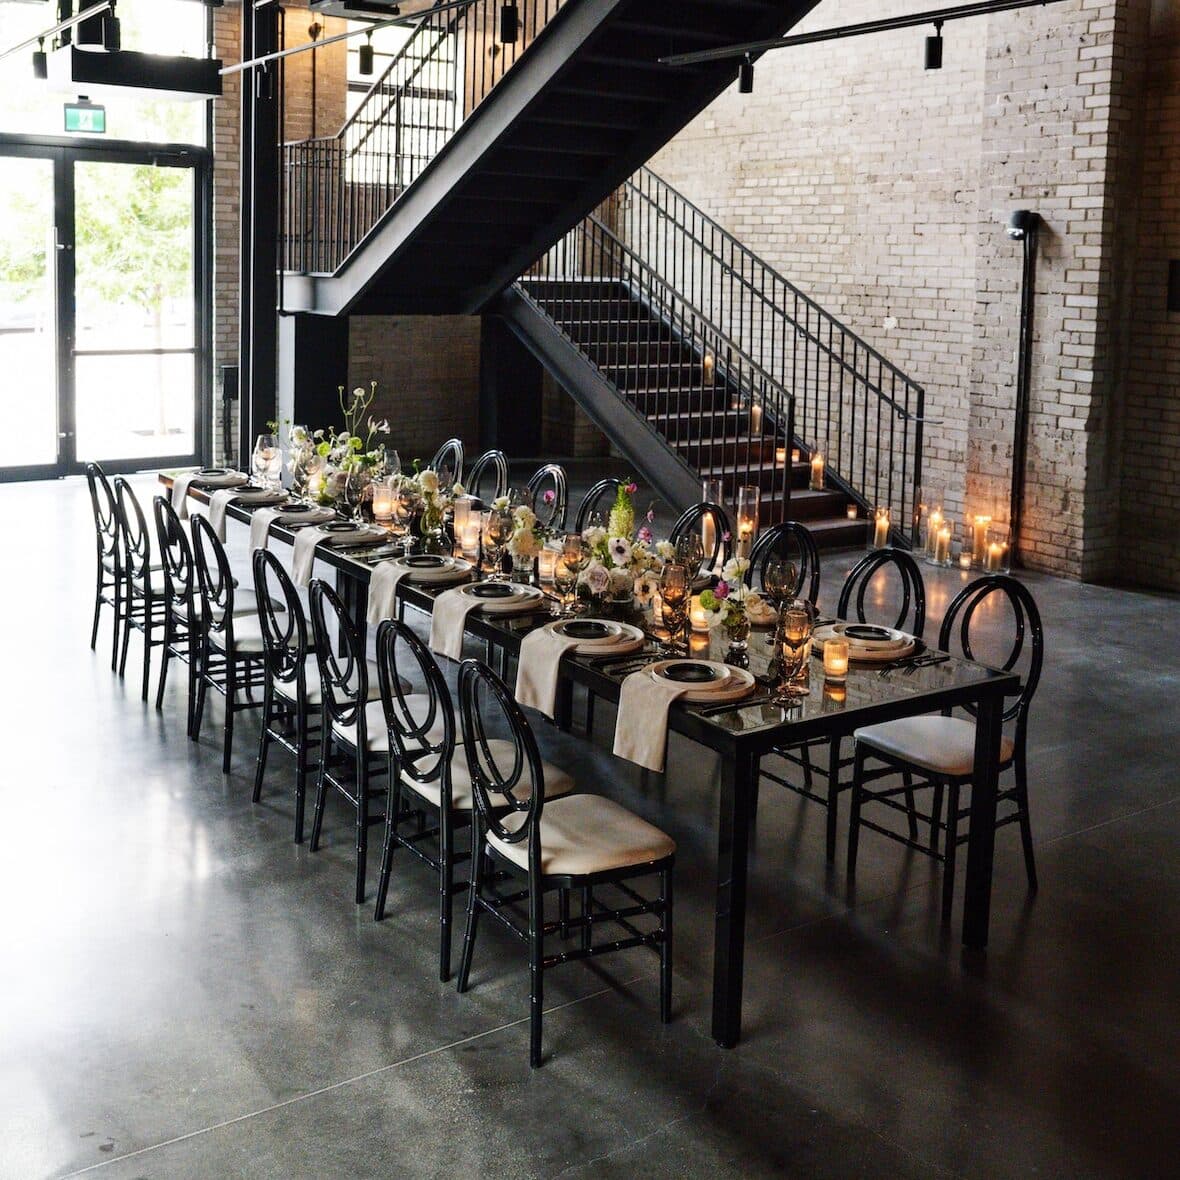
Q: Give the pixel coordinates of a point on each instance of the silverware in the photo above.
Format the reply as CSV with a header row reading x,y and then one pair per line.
x,y
732,706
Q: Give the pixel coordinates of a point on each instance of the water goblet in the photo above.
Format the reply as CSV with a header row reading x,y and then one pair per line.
x,y
266,463
675,592
796,623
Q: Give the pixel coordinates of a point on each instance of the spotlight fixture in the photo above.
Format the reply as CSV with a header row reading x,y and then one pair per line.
x,y
40,60
934,48
364,57
112,34
746,76
263,89
509,23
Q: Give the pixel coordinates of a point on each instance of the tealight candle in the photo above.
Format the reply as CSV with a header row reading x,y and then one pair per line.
x,y
697,615
780,455
836,659
547,564
881,528
817,472
315,485
965,560
794,454
382,501
852,512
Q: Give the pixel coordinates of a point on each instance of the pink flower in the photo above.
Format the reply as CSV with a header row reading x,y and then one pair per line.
x,y
725,537
549,496
651,515
644,535
632,488
722,590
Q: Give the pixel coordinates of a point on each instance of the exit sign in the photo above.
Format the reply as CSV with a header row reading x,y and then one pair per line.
x,y
86,117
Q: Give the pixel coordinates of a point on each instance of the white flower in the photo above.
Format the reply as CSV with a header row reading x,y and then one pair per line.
x,y
619,549
594,536
428,481
524,544
646,588
458,490
665,550
595,577
500,503
735,570
525,517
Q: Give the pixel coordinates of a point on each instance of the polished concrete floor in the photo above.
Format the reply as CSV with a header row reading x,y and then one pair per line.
x,y
186,993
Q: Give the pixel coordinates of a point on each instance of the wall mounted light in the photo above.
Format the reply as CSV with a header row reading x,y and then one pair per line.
x,y
509,24
365,57
40,61
934,48
746,76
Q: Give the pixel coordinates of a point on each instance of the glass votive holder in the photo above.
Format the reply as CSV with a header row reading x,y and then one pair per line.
x,y
851,512
996,558
836,660
940,553
698,617
976,530
547,565
878,531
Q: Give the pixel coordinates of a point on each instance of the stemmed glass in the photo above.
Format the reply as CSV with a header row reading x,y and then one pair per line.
x,y
778,584
497,532
690,552
575,556
565,582
795,624
675,590
408,503
266,464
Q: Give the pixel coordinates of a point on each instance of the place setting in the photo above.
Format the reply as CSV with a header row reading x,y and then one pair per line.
x,y
423,569
246,496
451,608
203,477
335,533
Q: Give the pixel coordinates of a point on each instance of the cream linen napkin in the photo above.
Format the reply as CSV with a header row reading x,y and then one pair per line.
x,y
449,621
304,556
180,492
383,590
641,729
262,518
218,503
539,667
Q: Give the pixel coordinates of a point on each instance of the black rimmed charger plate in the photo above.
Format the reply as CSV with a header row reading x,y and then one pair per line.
x,y
425,561
291,509
491,590
690,673
586,629
212,472
341,526
866,631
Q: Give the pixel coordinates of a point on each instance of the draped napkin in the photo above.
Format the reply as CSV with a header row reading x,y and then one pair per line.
x,y
304,554
218,503
263,518
539,668
383,590
641,730
449,621
180,485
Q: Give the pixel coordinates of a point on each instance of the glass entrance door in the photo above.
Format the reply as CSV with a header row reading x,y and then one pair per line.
x,y
29,439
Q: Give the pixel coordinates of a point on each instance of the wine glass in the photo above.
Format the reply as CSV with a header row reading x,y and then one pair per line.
x,y
266,464
675,591
795,626
393,464
778,580
497,532
565,581
690,551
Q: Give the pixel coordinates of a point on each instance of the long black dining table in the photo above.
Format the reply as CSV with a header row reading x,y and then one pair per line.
x,y
742,736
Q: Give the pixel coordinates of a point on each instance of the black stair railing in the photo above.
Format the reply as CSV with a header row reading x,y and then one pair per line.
x,y
863,412
336,188
710,398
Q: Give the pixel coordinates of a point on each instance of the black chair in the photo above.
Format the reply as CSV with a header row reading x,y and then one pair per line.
x,y
573,843
182,605
354,741
792,542
693,520
144,605
448,462
871,572
494,463
108,586
549,508
232,659
938,751
592,500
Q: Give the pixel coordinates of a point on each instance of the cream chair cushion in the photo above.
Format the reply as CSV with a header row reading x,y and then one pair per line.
x,y
247,636
583,834
315,696
939,745
557,782
378,734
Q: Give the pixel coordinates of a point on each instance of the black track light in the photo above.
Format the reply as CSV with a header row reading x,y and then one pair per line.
x,y
263,88
509,24
364,57
746,76
40,61
934,48
112,34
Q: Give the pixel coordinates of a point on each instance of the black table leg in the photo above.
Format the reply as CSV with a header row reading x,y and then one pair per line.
x,y
355,594
982,838
729,931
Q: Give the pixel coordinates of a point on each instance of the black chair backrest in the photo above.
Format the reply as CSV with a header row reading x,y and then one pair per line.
x,y
135,540
791,542
911,617
176,556
494,463
486,703
550,510
1027,631
593,498
283,624
448,462
340,656
106,514
694,519
215,581
401,654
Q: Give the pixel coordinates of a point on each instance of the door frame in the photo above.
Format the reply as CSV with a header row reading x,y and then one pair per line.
x,y
64,152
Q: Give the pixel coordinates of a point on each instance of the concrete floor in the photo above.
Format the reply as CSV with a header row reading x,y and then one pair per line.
x,y
185,993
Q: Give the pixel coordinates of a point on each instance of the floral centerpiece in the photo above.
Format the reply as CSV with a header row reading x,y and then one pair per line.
x,y
622,557
729,604
528,536
355,451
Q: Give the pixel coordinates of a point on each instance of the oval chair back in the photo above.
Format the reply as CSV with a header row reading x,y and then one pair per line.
x,y
135,540
340,657
490,463
106,516
550,510
487,709
1027,633
791,542
448,462
911,616
176,557
215,583
694,518
591,501
283,624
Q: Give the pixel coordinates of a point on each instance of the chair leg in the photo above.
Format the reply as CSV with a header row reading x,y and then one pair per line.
x,y
199,707
1030,862
362,826
165,657
321,795
563,914
858,770
116,623
392,811
97,609
666,947
833,795
936,816
536,973
587,912
127,628
193,676
477,855
263,746
907,778
952,846
446,878
301,772
231,693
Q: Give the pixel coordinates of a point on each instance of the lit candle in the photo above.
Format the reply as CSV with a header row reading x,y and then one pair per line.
x,y
836,659
697,615
469,538
748,501
755,419
965,560
995,557
794,454
817,472
707,365
382,501
547,564
315,485
979,539
657,608
780,456
881,529
932,527
852,512
942,545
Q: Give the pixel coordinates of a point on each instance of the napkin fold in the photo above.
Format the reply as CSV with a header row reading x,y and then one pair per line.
x,y
539,667
218,503
641,729
180,485
449,622
383,582
304,554
262,518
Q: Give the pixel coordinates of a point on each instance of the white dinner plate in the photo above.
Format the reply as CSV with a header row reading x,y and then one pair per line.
x,y
729,683
520,598
259,496
621,638
881,639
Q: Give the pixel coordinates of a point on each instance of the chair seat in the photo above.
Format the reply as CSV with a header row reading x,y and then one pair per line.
x,y
156,576
315,696
557,782
378,733
247,636
585,834
939,745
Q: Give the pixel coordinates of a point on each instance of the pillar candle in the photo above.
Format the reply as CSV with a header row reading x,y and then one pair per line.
x,y
547,564
932,527
697,615
817,472
995,557
382,501
942,545
881,529
979,539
